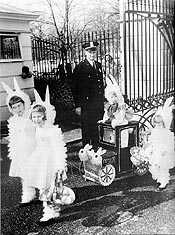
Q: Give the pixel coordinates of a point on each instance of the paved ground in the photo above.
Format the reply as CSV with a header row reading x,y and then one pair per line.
x,y
127,206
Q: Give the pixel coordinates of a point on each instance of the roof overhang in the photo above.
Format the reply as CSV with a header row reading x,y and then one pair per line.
x,y
13,13
18,16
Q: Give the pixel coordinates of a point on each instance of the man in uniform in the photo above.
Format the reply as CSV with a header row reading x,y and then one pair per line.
x,y
88,92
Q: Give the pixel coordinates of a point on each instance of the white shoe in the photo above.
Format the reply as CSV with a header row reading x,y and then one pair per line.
x,y
49,213
28,195
45,218
27,199
162,186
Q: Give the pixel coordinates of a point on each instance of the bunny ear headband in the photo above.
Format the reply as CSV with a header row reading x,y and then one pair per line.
x,y
100,151
45,103
166,112
18,92
113,87
50,109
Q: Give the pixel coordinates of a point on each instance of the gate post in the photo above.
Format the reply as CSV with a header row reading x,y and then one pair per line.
x,y
123,62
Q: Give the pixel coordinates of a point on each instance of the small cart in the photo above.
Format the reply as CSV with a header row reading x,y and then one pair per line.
x,y
115,162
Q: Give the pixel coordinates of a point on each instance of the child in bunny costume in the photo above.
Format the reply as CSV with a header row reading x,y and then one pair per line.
x,y
48,159
160,146
21,136
116,110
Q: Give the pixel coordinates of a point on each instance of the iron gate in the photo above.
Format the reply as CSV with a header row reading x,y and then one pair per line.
x,y
148,52
49,54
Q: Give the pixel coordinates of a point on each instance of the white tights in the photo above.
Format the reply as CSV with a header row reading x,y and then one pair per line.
x,y
28,193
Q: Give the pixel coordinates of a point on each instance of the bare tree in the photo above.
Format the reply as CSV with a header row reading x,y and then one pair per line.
x,y
103,15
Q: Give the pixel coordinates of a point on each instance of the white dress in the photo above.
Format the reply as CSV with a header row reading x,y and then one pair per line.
x,y
162,143
21,144
161,155
48,157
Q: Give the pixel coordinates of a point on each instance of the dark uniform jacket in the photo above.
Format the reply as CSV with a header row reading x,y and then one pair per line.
x,y
88,92
88,84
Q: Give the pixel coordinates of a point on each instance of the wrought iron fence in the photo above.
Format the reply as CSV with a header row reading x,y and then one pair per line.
x,y
46,54
49,54
107,53
148,52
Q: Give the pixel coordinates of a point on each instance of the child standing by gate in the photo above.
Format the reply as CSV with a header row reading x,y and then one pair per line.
x,y
161,151
158,150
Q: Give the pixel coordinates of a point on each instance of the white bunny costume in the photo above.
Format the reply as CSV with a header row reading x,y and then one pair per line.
x,y
160,147
21,139
115,111
49,155
48,158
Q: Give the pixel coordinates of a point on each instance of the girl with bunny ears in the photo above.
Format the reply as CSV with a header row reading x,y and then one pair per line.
x,y
159,149
116,110
48,160
21,136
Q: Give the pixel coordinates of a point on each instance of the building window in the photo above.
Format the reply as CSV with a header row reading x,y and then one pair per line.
x,y
9,47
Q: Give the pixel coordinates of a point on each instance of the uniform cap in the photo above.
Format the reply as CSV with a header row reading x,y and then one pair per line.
x,y
90,45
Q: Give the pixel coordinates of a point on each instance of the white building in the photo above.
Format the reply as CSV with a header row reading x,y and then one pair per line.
x,y
15,51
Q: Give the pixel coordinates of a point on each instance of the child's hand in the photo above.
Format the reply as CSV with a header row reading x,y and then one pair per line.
x,y
100,121
114,123
78,111
130,130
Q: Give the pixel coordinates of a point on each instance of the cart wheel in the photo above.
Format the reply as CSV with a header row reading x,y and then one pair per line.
x,y
81,168
141,170
107,175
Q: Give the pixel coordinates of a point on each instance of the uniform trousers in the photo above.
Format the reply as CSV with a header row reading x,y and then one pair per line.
x,y
90,115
